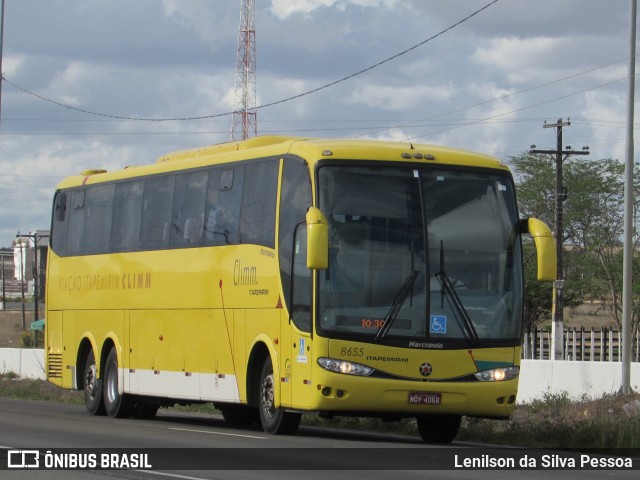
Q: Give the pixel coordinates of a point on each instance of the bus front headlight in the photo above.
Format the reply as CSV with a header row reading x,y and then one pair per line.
x,y
344,366
498,374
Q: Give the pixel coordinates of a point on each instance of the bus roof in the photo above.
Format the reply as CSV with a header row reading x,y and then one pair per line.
x,y
311,149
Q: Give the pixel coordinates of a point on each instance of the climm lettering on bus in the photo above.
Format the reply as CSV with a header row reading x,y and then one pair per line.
x,y
244,275
140,280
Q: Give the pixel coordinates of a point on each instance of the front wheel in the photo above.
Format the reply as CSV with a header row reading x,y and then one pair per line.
x,y
438,428
116,404
274,420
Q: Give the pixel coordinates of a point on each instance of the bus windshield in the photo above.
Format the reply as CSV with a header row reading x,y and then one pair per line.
x,y
420,254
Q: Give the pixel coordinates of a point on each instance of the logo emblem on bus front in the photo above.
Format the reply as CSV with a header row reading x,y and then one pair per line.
x,y
426,369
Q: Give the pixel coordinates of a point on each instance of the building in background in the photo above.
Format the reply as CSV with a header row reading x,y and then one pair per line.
x,y
29,264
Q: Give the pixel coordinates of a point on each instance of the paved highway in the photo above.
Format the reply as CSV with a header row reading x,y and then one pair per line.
x,y
314,453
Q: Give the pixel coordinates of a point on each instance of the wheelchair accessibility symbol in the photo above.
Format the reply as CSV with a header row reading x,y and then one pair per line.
x,y
438,324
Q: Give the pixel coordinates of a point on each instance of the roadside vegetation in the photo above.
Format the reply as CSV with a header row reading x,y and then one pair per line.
x,y
610,424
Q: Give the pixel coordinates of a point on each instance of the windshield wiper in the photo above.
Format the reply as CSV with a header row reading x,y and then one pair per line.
x,y
449,289
398,300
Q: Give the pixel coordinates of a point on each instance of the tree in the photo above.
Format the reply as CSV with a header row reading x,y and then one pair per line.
x,y
535,185
593,224
538,298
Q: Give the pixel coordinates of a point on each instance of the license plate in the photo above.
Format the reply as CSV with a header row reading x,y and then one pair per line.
x,y
425,398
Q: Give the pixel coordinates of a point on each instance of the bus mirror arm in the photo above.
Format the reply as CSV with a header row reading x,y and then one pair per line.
x,y
545,248
317,240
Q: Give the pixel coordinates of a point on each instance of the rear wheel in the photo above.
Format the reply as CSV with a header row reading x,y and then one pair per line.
x,y
274,420
92,387
116,404
439,428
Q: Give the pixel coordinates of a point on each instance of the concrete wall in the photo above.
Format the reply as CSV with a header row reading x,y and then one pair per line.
x,y
537,377
578,379
26,362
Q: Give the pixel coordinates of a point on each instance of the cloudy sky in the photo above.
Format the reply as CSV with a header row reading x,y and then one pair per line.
x,y
488,84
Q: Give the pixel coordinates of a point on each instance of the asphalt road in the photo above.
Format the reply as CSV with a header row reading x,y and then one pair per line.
x,y
187,446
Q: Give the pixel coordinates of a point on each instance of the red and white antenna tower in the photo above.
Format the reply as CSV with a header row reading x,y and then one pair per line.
x,y
244,123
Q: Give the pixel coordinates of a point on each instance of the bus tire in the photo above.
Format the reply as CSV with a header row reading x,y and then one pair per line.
x,y
92,386
274,420
438,428
116,405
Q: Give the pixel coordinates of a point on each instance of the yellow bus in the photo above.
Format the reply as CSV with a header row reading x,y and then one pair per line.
x,y
280,275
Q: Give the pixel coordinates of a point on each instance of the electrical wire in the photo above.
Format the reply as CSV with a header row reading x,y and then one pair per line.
x,y
277,102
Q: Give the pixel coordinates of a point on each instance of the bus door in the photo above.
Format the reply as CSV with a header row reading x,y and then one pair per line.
x,y
300,358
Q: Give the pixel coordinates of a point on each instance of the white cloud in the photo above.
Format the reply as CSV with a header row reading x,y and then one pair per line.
x,y
12,64
285,8
391,98
198,16
522,59
74,84
605,110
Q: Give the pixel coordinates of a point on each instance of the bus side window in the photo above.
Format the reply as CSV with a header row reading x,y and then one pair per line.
x,y
60,226
96,234
76,222
188,209
222,208
157,208
125,231
258,215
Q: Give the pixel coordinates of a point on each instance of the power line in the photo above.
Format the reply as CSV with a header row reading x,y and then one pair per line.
x,y
405,124
278,102
520,92
493,117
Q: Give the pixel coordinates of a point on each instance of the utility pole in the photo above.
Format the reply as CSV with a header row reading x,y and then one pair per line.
x,y
22,269
557,334
627,269
4,295
1,49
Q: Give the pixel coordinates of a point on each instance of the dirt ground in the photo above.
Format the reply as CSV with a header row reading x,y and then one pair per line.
x,y
11,332
588,315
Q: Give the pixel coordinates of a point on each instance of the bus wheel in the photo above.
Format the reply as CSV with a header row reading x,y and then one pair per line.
x,y
438,428
93,387
116,405
274,420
